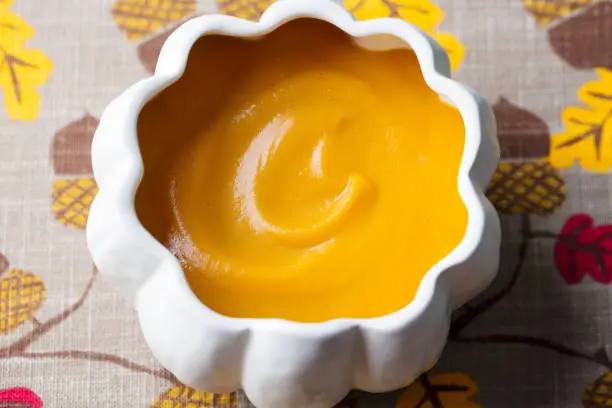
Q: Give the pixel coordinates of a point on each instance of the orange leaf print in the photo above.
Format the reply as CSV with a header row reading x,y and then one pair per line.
x,y
139,18
247,9
588,130
181,396
21,70
448,390
422,13
21,294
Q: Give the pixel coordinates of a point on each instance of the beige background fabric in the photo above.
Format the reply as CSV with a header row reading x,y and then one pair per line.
x,y
96,356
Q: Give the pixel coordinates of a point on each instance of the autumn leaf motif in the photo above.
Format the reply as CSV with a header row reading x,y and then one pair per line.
x,y
581,249
21,294
74,188
19,397
422,13
588,132
181,396
21,70
139,18
247,9
447,390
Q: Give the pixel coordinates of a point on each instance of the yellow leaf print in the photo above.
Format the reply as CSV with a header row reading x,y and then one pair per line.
x,y
14,31
21,293
448,390
21,70
422,13
181,396
588,131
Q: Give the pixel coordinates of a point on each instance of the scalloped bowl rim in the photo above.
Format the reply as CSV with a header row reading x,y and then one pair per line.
x,y
170,68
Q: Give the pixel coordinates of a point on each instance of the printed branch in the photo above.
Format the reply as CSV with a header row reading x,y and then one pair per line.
x,y
21,344
471,312
102,357
598,357
18,349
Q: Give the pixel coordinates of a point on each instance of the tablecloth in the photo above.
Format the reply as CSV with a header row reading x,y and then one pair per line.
x,y
540,336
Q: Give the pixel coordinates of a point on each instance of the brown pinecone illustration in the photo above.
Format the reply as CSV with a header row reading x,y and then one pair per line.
x,y
524,183
247,9
138,18
74,189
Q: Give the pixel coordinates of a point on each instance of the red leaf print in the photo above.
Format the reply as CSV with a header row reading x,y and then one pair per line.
x,y
584,249
19,398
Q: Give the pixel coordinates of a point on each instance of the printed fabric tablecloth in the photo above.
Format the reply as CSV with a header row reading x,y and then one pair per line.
x,y
541,336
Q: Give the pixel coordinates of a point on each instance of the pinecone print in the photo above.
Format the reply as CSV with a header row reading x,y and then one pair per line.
x,y
547,11
75,188
247,9
21,293
524,183
526,188
599,393
183,397
72,199
138,18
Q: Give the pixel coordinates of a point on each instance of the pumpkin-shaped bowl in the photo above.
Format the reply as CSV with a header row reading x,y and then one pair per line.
x,y
281,363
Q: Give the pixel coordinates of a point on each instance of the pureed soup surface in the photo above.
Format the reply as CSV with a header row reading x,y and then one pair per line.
x,y
301,177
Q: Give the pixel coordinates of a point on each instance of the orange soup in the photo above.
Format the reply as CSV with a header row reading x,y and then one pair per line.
x,y
299,176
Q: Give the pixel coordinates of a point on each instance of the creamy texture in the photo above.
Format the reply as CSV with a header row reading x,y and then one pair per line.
x,y
301,177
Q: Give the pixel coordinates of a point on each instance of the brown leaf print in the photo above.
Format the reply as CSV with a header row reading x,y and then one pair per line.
x,y
4,264
247,9
547,11
182,396
138,18
583,40
71,149
521,133
21,293
531,187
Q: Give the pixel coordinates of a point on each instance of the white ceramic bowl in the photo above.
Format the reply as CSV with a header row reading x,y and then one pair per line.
x,y
280,363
